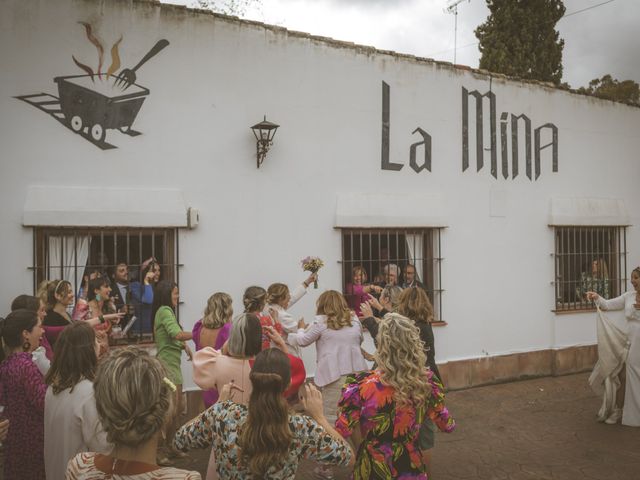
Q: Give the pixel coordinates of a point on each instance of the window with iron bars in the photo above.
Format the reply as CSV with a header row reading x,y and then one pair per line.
x,y
73,254
372,249
588,259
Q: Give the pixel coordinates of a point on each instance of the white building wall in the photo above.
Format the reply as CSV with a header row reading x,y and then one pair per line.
x,y
219,76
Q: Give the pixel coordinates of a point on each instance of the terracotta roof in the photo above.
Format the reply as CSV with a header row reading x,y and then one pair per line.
x,y
366,49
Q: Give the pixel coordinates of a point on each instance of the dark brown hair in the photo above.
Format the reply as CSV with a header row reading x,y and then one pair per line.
x,y
26,302
265,438
96,284
11,328
74,358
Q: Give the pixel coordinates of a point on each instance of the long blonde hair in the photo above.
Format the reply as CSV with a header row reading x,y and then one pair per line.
x,y
265,437
334,306
401,359
219,310
414,304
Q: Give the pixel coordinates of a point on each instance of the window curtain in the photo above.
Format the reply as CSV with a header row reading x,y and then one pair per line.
x,y
67,258
416,254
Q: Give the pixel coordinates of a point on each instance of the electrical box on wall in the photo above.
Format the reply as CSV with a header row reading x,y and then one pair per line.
x,y
193,217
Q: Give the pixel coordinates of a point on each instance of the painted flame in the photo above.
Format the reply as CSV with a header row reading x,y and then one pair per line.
x,y
96,43
83,67
115,58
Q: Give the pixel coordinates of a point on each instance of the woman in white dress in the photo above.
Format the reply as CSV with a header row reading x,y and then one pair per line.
x,y
71,422
628,405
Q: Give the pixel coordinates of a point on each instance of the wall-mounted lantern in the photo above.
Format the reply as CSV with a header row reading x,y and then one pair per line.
x,y
264,132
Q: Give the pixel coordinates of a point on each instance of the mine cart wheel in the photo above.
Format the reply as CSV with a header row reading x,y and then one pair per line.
x,y
97,132
76,123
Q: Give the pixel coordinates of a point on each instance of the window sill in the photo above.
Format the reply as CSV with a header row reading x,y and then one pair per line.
x,y
577,310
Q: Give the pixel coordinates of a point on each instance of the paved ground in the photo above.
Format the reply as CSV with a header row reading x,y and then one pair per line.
x,y
531,430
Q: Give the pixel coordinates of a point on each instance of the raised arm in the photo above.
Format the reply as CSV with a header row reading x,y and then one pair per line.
x,y
612,304
299,292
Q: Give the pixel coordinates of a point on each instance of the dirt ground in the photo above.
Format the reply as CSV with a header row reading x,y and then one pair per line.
x,y
531,430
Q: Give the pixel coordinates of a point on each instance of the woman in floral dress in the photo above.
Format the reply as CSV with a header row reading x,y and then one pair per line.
x,y
22,392
383,410
264,439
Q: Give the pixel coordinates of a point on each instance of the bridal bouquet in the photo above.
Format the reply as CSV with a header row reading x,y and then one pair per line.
x,y
312,264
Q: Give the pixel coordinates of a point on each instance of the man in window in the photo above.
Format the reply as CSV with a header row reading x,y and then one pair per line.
x,y
120,285
391,274
410,277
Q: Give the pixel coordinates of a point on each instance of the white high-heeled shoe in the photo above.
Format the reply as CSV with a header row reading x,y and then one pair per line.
x,y
615,417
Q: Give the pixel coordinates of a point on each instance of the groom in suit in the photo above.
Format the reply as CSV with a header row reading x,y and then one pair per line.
x,y
120,291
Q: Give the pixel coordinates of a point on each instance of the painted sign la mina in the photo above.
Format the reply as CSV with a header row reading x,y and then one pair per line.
x,y
93,103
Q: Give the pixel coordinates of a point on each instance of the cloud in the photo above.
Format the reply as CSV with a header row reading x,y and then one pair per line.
x,y
597,41
601,41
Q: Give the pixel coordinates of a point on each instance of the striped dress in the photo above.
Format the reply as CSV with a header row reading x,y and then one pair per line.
x,y
93,466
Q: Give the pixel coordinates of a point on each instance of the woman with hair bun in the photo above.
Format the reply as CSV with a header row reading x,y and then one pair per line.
x,y
382,410
265,439
255,301
71,422
23,391
134,401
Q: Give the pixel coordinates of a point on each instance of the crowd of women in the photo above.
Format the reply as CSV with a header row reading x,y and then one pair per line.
x,y
75,409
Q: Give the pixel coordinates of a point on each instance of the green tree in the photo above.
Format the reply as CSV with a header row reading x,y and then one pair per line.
x,y
519,39
613,89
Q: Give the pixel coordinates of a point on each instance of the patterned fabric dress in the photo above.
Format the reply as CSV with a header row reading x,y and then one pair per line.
x,y
389,431
220,425
22,394
94,466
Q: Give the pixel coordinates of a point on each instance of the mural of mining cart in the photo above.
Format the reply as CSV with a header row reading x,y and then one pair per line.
x,y
91,104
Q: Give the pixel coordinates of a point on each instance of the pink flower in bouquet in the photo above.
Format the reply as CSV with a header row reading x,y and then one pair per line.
x,y
312,264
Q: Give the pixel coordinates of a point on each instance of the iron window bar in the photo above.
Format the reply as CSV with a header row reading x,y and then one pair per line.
x,y
119,243
588,258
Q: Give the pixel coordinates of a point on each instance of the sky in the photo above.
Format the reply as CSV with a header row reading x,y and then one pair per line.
x,y
598,41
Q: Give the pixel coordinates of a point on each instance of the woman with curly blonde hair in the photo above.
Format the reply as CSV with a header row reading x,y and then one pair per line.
x,y
383,410
134,400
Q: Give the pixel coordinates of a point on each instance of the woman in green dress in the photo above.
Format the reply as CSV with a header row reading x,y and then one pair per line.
x,y
170,341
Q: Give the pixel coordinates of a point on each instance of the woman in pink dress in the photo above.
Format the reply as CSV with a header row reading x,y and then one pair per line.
x,y
358,291
22,392
213,331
